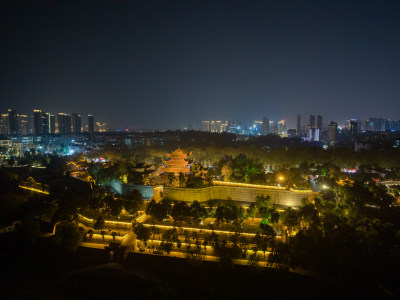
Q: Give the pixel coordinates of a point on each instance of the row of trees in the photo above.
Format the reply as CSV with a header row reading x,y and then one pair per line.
x,y
289,156
349,233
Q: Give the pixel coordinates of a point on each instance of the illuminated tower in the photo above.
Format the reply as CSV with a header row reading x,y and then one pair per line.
x,y
13,122
37,122
76,123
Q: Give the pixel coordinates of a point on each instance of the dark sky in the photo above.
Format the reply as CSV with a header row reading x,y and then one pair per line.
x,y
166,64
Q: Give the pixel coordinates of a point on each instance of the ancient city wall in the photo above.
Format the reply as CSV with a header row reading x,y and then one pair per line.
x,y
217,192
147,191
244,194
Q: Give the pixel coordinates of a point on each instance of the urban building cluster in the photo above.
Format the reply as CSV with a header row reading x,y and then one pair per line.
x,y
42,123
312,130
215,126
44,132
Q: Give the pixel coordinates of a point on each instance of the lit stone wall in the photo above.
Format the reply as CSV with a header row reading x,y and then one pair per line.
x,y
147,191
245,194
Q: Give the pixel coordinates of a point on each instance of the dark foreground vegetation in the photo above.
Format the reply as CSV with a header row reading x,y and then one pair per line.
x,y
44,270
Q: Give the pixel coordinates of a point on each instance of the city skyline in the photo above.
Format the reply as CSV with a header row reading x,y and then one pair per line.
x,y
41,123
144,66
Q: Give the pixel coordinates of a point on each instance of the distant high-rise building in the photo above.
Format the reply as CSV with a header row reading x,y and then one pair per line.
x,y
298,125
218,126
291,133
312,120
64,123
281,127
319,122
368,125
377,124
76,123
52,124
212,126
61,123
68,124
37,122
206,125
91,123
101,127
353,127
266,126
45,123
224,126
23,124
13,125
313,133
276,128
4,124
332,128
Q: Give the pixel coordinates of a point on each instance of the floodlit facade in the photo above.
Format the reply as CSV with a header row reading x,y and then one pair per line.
x,y
178,163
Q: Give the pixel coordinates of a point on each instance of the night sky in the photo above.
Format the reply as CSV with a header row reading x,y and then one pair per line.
x,y
167,64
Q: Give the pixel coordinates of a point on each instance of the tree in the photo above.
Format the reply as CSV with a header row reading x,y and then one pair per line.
x,y
68,235
180,212
171,178
99,224
290,218
11,162
226,170
158,211
57,164
142,232
133,202
266,209
280,256
251,212
181,179
198,213
253,260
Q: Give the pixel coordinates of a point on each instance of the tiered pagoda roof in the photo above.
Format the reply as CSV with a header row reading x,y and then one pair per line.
x,y
177,163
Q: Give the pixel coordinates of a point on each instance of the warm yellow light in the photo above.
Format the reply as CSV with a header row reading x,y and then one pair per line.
x,y
271,187
33,189
281,178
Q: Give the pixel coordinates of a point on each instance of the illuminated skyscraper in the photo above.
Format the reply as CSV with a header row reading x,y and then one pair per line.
x,y
37,122
218,126
52,123
332,128
45,123
13,125
281,127
64,123
76,123
4,124
23,124
206,125
353,127
212,126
